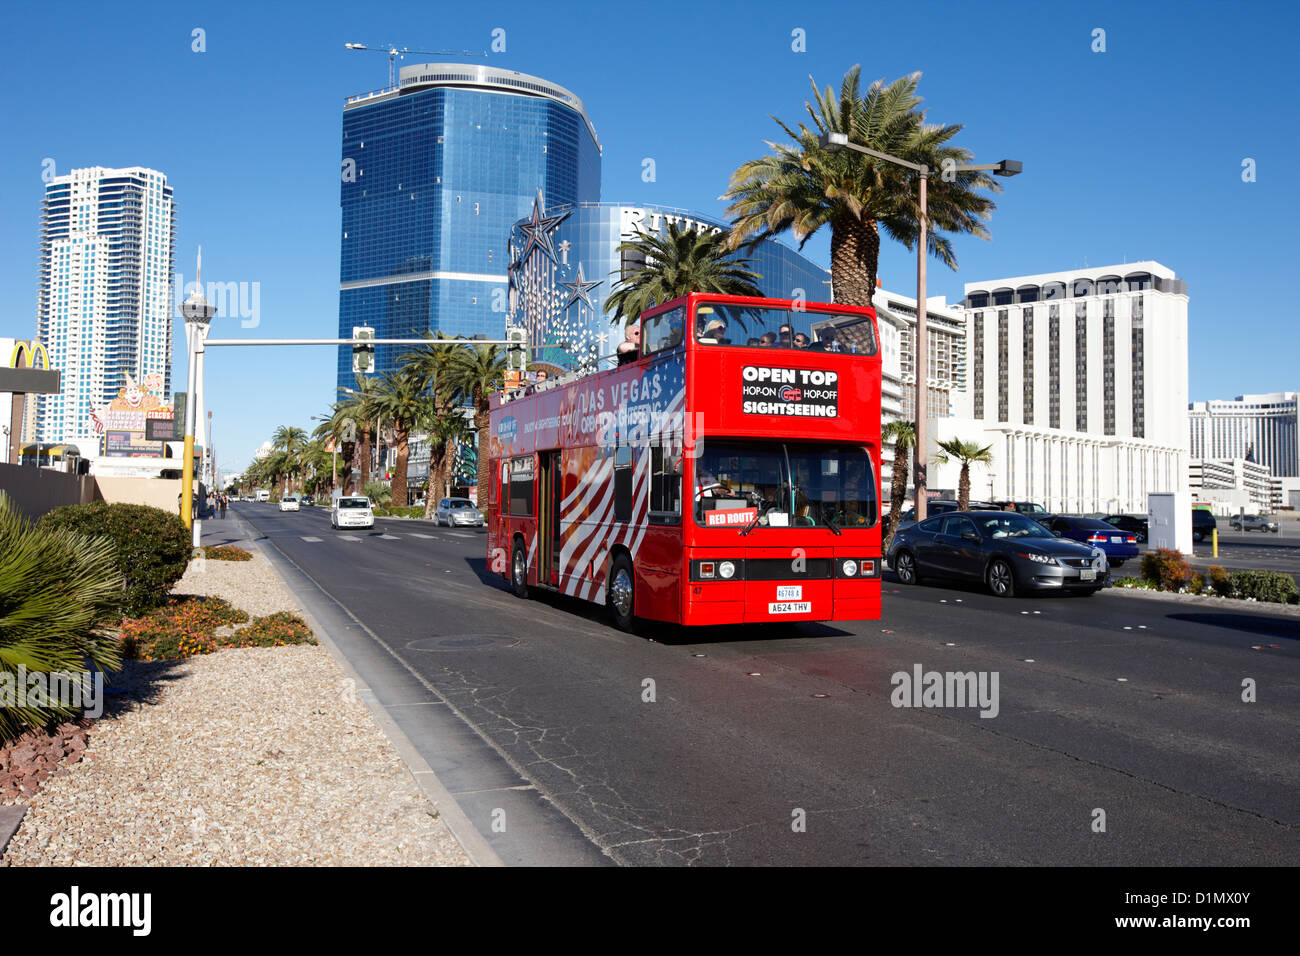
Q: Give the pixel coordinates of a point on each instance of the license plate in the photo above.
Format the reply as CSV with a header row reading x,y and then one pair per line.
x,y
790,607
789,592
1088,574
1117,539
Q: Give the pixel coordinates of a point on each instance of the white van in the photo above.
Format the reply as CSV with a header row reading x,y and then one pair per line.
x,y
351,511
263,495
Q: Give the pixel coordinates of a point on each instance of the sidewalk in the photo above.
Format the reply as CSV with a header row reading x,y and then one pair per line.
x,y
260,756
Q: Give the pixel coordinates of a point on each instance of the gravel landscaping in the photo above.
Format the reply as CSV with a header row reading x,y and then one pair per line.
x,y
257,756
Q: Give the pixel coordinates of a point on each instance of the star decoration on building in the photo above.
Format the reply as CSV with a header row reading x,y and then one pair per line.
x,y
579,289
537,231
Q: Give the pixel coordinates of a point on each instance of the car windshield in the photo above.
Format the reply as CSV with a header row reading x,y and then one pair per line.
x,y
1008,524
354,502
783,485
460,503
797,329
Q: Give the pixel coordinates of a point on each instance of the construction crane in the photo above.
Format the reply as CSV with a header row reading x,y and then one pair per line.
x,y
394,53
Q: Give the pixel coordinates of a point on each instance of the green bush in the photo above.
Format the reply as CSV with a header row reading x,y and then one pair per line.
x,y
273,630
58,592
152,546
1197,584
412,512
379,493
1220,581
226,552
1167,569
1138,583
1273,586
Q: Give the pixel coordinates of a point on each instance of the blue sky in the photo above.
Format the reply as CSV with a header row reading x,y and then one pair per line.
x,y
1134,153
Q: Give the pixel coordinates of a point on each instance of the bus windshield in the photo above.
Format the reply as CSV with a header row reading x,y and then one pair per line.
x,y
718,323
784,485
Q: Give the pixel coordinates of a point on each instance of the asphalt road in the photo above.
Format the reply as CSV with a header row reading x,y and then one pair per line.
x,y
1252,550
1113,705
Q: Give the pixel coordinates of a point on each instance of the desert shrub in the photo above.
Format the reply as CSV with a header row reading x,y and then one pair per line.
x,y
378,492
1197,584
411,512
226,552
1167,569
152,546
58,592
273,630
182,627
1140,584
1273,586
1220,581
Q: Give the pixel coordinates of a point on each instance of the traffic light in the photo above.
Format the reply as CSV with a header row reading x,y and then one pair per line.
x,y
517,349
363,356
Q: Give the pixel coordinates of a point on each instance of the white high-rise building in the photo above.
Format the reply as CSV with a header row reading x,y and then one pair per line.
x,y
1078,381
104,310
1265,428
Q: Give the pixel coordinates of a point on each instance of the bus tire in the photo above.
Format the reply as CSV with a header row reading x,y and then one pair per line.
x,y
621,596
519,570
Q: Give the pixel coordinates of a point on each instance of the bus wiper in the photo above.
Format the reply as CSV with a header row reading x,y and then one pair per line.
x,y
830,523
751,526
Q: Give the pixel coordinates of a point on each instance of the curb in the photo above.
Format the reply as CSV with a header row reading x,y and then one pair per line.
x,y
10,817
449,811
1210,600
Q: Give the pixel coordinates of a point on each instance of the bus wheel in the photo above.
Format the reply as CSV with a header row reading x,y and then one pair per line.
x,y
519,571
621,593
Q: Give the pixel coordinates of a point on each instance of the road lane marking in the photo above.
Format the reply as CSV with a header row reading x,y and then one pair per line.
x,y
390,537
457,534
416,534
348,537
309,538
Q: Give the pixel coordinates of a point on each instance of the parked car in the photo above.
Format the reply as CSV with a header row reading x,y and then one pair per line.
x,y
1203,524
941,506
1119,545
1135,525
289,503
1253,523
1005,550
457,512
1033,509
352,511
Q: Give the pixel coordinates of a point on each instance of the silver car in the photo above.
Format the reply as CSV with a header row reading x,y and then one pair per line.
x,y
457,512
1253,523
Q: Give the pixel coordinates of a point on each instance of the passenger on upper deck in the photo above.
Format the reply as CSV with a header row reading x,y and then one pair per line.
x,y
715,332
629,350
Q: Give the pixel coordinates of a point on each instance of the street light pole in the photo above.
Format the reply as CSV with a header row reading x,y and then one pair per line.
x,y
1007,167
197,315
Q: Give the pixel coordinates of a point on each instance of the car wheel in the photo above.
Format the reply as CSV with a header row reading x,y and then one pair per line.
x,y
1002,578
905,568
519,571
622,593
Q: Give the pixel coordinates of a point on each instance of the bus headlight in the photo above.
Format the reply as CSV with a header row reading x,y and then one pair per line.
x,y
726,569
850,568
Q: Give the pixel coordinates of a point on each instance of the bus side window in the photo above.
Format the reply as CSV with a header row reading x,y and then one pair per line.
x,y
623,483
665,487
521,488
504,497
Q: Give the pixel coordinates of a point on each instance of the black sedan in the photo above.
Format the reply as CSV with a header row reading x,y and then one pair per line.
x,y
1135,525
1004,550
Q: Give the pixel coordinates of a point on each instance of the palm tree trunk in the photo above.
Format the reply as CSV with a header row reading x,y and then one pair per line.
x,y
399,471
482,422
963,487
363,465
855,254
897,490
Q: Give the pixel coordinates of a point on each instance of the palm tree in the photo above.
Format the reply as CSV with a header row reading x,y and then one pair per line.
x,y
290,440
804,186
684,261
402,401
902,435
433,363
357,408
476,373
445,428
340,429
968,453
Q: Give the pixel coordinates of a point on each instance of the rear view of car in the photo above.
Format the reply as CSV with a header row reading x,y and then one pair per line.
x,y
1119,545
353,511
289,503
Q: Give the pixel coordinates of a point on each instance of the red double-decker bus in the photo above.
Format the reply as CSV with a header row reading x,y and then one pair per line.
x,y
728,474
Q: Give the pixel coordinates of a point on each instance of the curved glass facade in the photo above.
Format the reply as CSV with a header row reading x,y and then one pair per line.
x,y
434,175
564,263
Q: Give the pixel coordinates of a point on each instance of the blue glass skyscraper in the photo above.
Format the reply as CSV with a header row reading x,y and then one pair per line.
x,y
435,173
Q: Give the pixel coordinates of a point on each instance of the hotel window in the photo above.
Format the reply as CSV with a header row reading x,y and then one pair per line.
x,y
1003,369
1081,366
